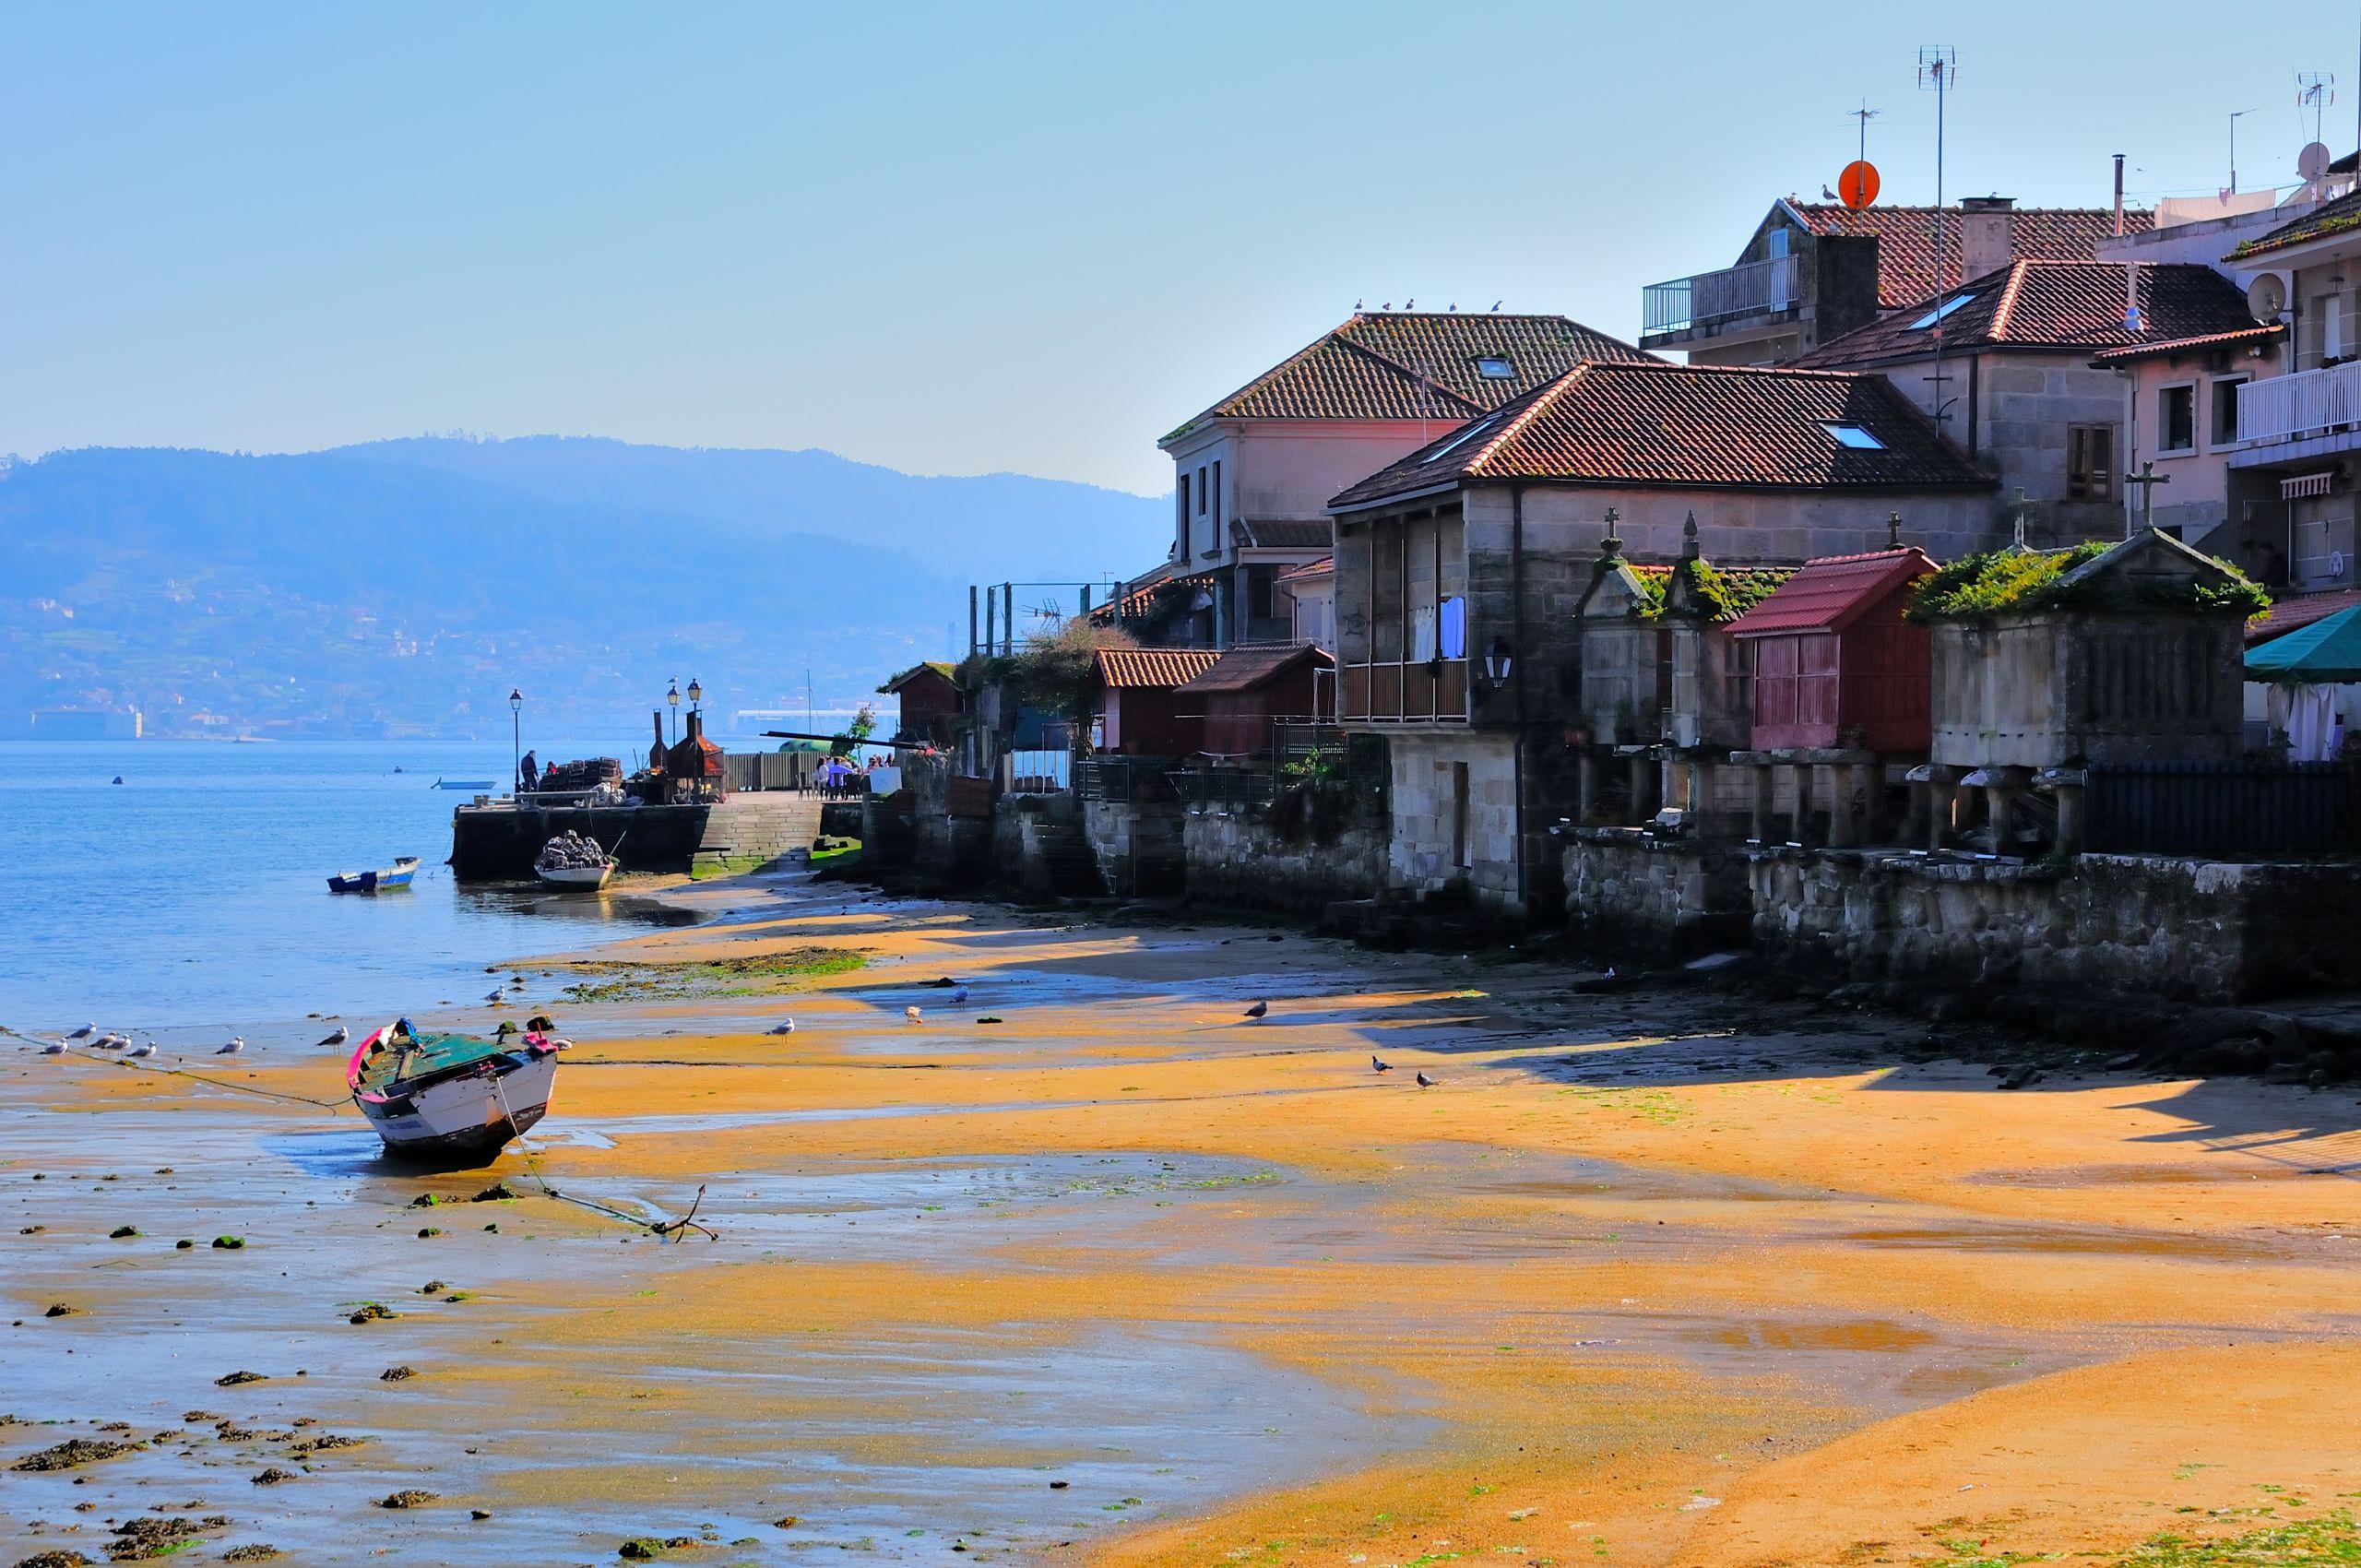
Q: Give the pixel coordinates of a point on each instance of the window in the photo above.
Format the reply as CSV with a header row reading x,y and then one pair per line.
x,y
1853,436
1183,537
1216,489
2090,462
2330,308
2226,409
2177,418
1495,367
1201,492
1939,311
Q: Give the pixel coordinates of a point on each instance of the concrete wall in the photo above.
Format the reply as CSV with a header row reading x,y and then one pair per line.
x,y
2203,931
2045,690
1235,857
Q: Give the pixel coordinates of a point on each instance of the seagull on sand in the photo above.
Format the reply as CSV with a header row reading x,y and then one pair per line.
x,y
496,996
342,1035
54,1048
85,1033
1426,1083
784,1026
111,1042
237,1043
913,1016
1259,1011
1378,1066
959,997
145,1048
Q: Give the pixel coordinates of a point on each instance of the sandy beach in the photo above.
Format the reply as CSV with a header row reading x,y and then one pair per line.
x,y
1092,1270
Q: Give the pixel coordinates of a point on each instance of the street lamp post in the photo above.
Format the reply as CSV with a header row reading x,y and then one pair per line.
x,y
696,695
515,738
673,697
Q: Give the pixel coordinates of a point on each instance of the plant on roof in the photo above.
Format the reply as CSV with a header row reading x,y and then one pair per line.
x,y
2011,580
1725,596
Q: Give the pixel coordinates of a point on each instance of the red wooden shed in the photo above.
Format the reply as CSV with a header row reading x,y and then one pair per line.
x,y
929,694
1248,688
1139,712
1835,664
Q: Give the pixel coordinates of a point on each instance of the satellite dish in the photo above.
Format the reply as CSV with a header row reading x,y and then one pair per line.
x,y
1857,185
2267,296
2313,161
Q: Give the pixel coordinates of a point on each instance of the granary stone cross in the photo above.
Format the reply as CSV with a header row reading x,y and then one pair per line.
x,y
2147,479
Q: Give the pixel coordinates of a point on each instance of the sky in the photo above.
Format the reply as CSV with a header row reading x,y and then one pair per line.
x,y
972,238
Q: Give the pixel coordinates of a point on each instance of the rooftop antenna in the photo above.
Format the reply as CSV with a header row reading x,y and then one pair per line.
x,y
2315,91
1864,114
1937,68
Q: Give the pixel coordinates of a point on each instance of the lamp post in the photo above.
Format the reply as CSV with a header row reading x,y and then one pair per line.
x,y
515,738
673,697
696,695
1499,664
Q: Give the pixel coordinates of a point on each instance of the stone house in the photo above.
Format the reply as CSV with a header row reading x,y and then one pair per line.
x,y
1459,569
2004,364
1253,471
1814,271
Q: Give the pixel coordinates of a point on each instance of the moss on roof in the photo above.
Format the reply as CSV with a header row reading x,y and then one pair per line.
x,y
2016,580
1725,594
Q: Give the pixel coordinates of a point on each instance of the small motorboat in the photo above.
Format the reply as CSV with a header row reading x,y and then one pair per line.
x,y
451,1096
481,786
575,859
385,880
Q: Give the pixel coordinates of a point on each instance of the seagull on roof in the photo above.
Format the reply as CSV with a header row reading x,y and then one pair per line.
x,y
1357,307
237,1043
1259,1011
1387,306
1827,194
1409,304
1497,303
913,1016
85,1033
342,1035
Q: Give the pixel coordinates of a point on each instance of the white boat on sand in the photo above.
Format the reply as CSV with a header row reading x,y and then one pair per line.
x,y
575,859
448,1096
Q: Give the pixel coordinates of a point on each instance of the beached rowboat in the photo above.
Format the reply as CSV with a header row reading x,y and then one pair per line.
x,y
576,876
395,876
451,1095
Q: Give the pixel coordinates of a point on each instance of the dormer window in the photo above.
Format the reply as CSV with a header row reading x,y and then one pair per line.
x,y
1853,436
1495,367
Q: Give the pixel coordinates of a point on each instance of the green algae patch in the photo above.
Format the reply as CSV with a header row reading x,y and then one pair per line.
x,y
750,976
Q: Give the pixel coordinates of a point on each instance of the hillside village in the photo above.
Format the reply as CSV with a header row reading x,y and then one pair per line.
x,y
1961,592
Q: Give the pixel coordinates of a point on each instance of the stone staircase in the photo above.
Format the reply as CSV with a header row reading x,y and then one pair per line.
x,y
761,822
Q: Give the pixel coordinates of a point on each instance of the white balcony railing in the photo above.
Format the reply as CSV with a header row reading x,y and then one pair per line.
x,y
1754,288
2311,402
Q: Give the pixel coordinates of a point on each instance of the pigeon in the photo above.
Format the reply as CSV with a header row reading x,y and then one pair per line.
x,y
1426,1083
85,1033
785,1027
959,997
913,1016
237,1043
1378,1066
1259,1010
145,1048
54,1048
342,1035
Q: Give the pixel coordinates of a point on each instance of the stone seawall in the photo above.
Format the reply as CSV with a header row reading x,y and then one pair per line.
x,y
499,843
1627,891
1235,857
1139,845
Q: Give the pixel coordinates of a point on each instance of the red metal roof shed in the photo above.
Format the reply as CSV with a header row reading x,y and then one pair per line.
x,y
1835,664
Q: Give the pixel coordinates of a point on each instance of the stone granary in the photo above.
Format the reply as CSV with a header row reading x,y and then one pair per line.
x,y
2047,663
1839,685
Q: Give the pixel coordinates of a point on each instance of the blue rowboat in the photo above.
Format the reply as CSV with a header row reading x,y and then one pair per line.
x,y
393,876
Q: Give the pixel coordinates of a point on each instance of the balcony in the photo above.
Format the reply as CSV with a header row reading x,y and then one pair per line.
x,y
1715,299
1394,692
2309,403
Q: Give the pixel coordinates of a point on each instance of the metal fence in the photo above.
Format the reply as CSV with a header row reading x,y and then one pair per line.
x,y
1222,786
1124,777
2229,808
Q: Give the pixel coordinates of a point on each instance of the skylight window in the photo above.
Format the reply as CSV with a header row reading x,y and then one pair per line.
x,y
1462,439
1495,367
1939,311
1853,436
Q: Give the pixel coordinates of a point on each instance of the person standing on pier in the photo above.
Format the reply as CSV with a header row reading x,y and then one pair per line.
x,y
529,776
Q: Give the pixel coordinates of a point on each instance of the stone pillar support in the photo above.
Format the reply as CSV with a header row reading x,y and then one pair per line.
x,y
1585,788
2067,783
1799,830
1765,787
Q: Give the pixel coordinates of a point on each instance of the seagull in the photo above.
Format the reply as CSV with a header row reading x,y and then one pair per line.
x,y
85,1033
1426,1083
1495,305
959,997
1409,304
145,1048
237,1043
785,1027
1378,1066
913,1016
1259,1010
496,996
111,1041
1825,193
54,1048
342,1035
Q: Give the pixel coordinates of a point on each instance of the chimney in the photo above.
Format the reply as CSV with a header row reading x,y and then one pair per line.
x,y
1987,234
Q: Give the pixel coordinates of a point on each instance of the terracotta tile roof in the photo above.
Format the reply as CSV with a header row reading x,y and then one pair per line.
x,y
1323,568
2261,332
1283,533
1662,425
1147,590
1830,593
2336,217
1905,235
2065,305
1153,669
1422,365
2297,612
1243,669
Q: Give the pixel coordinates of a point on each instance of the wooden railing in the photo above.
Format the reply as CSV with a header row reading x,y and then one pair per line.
x,y
1398,692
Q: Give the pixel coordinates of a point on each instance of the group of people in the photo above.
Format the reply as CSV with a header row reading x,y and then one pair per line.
x,y
841,778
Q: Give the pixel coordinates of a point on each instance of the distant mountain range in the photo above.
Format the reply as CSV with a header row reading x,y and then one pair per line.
x,y
403,587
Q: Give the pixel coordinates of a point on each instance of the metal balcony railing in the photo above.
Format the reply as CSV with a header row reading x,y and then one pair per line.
x,y
1706,299
2310,402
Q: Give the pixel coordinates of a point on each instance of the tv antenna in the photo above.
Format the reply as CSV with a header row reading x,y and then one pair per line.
x,y
1864,114
2315,91
1937,68
1047,613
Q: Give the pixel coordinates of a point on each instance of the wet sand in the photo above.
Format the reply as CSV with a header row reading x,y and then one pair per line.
x,y
1648,1277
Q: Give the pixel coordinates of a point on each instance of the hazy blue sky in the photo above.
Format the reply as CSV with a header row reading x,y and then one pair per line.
x,y
971,237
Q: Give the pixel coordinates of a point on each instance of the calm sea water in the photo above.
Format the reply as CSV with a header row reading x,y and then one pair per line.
x,y
196,892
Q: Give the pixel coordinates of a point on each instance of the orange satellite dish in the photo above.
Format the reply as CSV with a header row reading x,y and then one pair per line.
x,y
1857,186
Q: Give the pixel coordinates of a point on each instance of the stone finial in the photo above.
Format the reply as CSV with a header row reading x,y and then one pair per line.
x,y
1611,546
1894,532
1689,547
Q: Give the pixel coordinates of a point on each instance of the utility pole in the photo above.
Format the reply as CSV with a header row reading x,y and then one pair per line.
x,y
2235,115
1937,65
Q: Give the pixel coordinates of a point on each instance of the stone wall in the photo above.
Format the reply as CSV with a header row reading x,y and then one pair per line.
x,y
1627,891
946,850
1139,845
2193,930
1235,857
1454,830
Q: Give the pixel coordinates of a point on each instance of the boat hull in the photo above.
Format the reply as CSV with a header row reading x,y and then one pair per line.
x,y
384,881
576,876
475,1114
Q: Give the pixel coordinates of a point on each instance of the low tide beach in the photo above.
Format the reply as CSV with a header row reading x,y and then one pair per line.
x,y
1091,1269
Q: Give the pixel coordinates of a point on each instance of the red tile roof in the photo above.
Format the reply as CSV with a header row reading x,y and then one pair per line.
x,y
1323,568
2071,306
1830,593
1422,365
2261,332
1243,669
1663,425
1153,669
2336,217
1907,249
2297,612
1147,591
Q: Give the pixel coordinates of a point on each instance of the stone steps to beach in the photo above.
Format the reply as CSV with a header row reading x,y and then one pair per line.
x,y
766,823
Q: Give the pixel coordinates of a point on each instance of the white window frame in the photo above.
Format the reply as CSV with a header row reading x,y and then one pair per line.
x,y
2194,424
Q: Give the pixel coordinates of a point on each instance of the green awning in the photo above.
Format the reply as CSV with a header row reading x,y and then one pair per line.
x,y
2327,652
